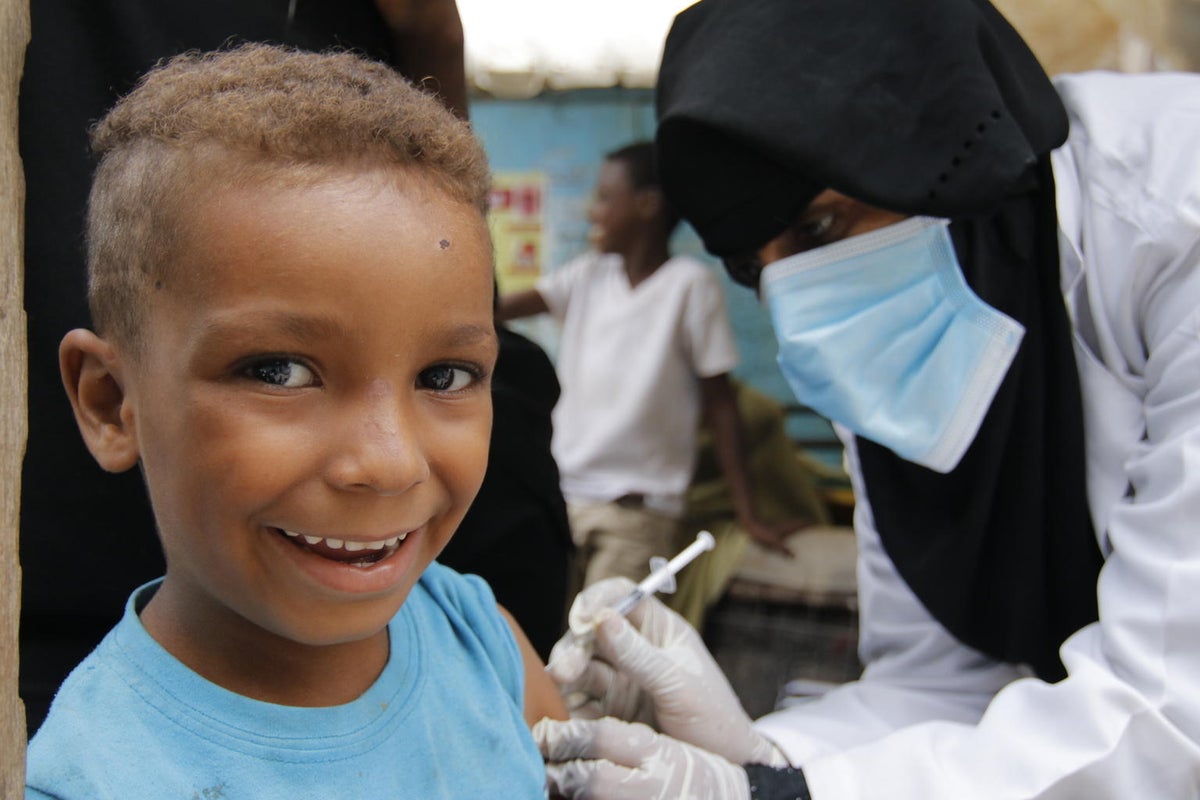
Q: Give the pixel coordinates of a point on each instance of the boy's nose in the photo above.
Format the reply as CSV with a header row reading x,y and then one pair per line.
x,y
379,449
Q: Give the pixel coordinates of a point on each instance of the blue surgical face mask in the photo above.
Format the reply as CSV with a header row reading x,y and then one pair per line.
x,y
881,333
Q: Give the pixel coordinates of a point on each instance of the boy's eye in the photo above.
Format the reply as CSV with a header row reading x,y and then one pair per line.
x,y
446,378
285,372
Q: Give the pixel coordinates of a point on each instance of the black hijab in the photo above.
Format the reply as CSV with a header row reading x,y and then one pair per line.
x,y
935,108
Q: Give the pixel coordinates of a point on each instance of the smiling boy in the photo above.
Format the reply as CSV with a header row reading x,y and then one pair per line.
x,y
291,283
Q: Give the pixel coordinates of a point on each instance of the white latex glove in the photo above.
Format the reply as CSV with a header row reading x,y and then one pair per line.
x,y
591,688
608,758
654,659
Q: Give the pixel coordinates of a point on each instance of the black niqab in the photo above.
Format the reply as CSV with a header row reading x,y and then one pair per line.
x,y
934,108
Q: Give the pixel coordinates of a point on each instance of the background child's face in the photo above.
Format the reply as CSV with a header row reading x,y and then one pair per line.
x,y
613,213
315,387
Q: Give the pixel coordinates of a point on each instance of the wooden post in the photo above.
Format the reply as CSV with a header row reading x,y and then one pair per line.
x,y
14,35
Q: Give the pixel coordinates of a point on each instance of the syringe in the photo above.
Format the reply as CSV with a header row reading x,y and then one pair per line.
x,y
662,573
661,578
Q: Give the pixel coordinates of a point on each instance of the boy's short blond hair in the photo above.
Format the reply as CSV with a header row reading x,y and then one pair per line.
x,y
200,122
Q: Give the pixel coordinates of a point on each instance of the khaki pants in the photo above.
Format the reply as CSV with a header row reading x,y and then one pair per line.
x,y
614,539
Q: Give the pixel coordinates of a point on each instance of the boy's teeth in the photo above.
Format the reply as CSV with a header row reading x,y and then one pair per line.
x,y
351,546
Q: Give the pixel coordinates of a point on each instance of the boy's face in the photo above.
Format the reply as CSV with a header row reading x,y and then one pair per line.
x,y
614,212
312,406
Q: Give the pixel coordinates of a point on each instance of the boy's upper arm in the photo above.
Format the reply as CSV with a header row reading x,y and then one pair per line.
x,y
542,698
717,390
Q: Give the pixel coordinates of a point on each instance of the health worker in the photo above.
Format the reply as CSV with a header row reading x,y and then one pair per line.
x,y
991,282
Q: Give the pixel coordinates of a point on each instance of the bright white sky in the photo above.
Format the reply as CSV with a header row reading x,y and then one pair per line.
x,y
517,48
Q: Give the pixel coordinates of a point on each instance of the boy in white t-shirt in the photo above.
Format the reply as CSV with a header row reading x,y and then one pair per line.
x,y
646,351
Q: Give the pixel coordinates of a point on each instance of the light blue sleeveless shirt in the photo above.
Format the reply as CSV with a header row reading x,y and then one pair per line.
x,y
444,719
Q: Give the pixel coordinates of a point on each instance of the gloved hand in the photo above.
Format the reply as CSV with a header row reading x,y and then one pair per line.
x,y
655,660
608,758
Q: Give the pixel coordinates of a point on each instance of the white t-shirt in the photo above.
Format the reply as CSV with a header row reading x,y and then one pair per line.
x,y
629,362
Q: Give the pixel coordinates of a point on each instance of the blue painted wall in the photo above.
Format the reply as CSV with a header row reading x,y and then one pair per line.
x,y
565,136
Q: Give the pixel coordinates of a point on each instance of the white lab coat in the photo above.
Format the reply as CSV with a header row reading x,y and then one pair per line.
x,y
932,718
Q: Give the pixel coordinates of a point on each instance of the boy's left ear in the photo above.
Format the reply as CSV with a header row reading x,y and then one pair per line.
x,y
650,202
93,375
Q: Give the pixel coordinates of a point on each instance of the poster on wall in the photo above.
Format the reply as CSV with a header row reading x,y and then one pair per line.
x,y
516,223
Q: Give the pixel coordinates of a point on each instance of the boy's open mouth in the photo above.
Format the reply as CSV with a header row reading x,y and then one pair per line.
x,y
357,554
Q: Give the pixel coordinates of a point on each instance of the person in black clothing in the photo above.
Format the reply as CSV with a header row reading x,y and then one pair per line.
x,y
516,534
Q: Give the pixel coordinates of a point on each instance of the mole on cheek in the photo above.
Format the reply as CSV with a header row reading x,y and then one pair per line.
x,y
444,243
